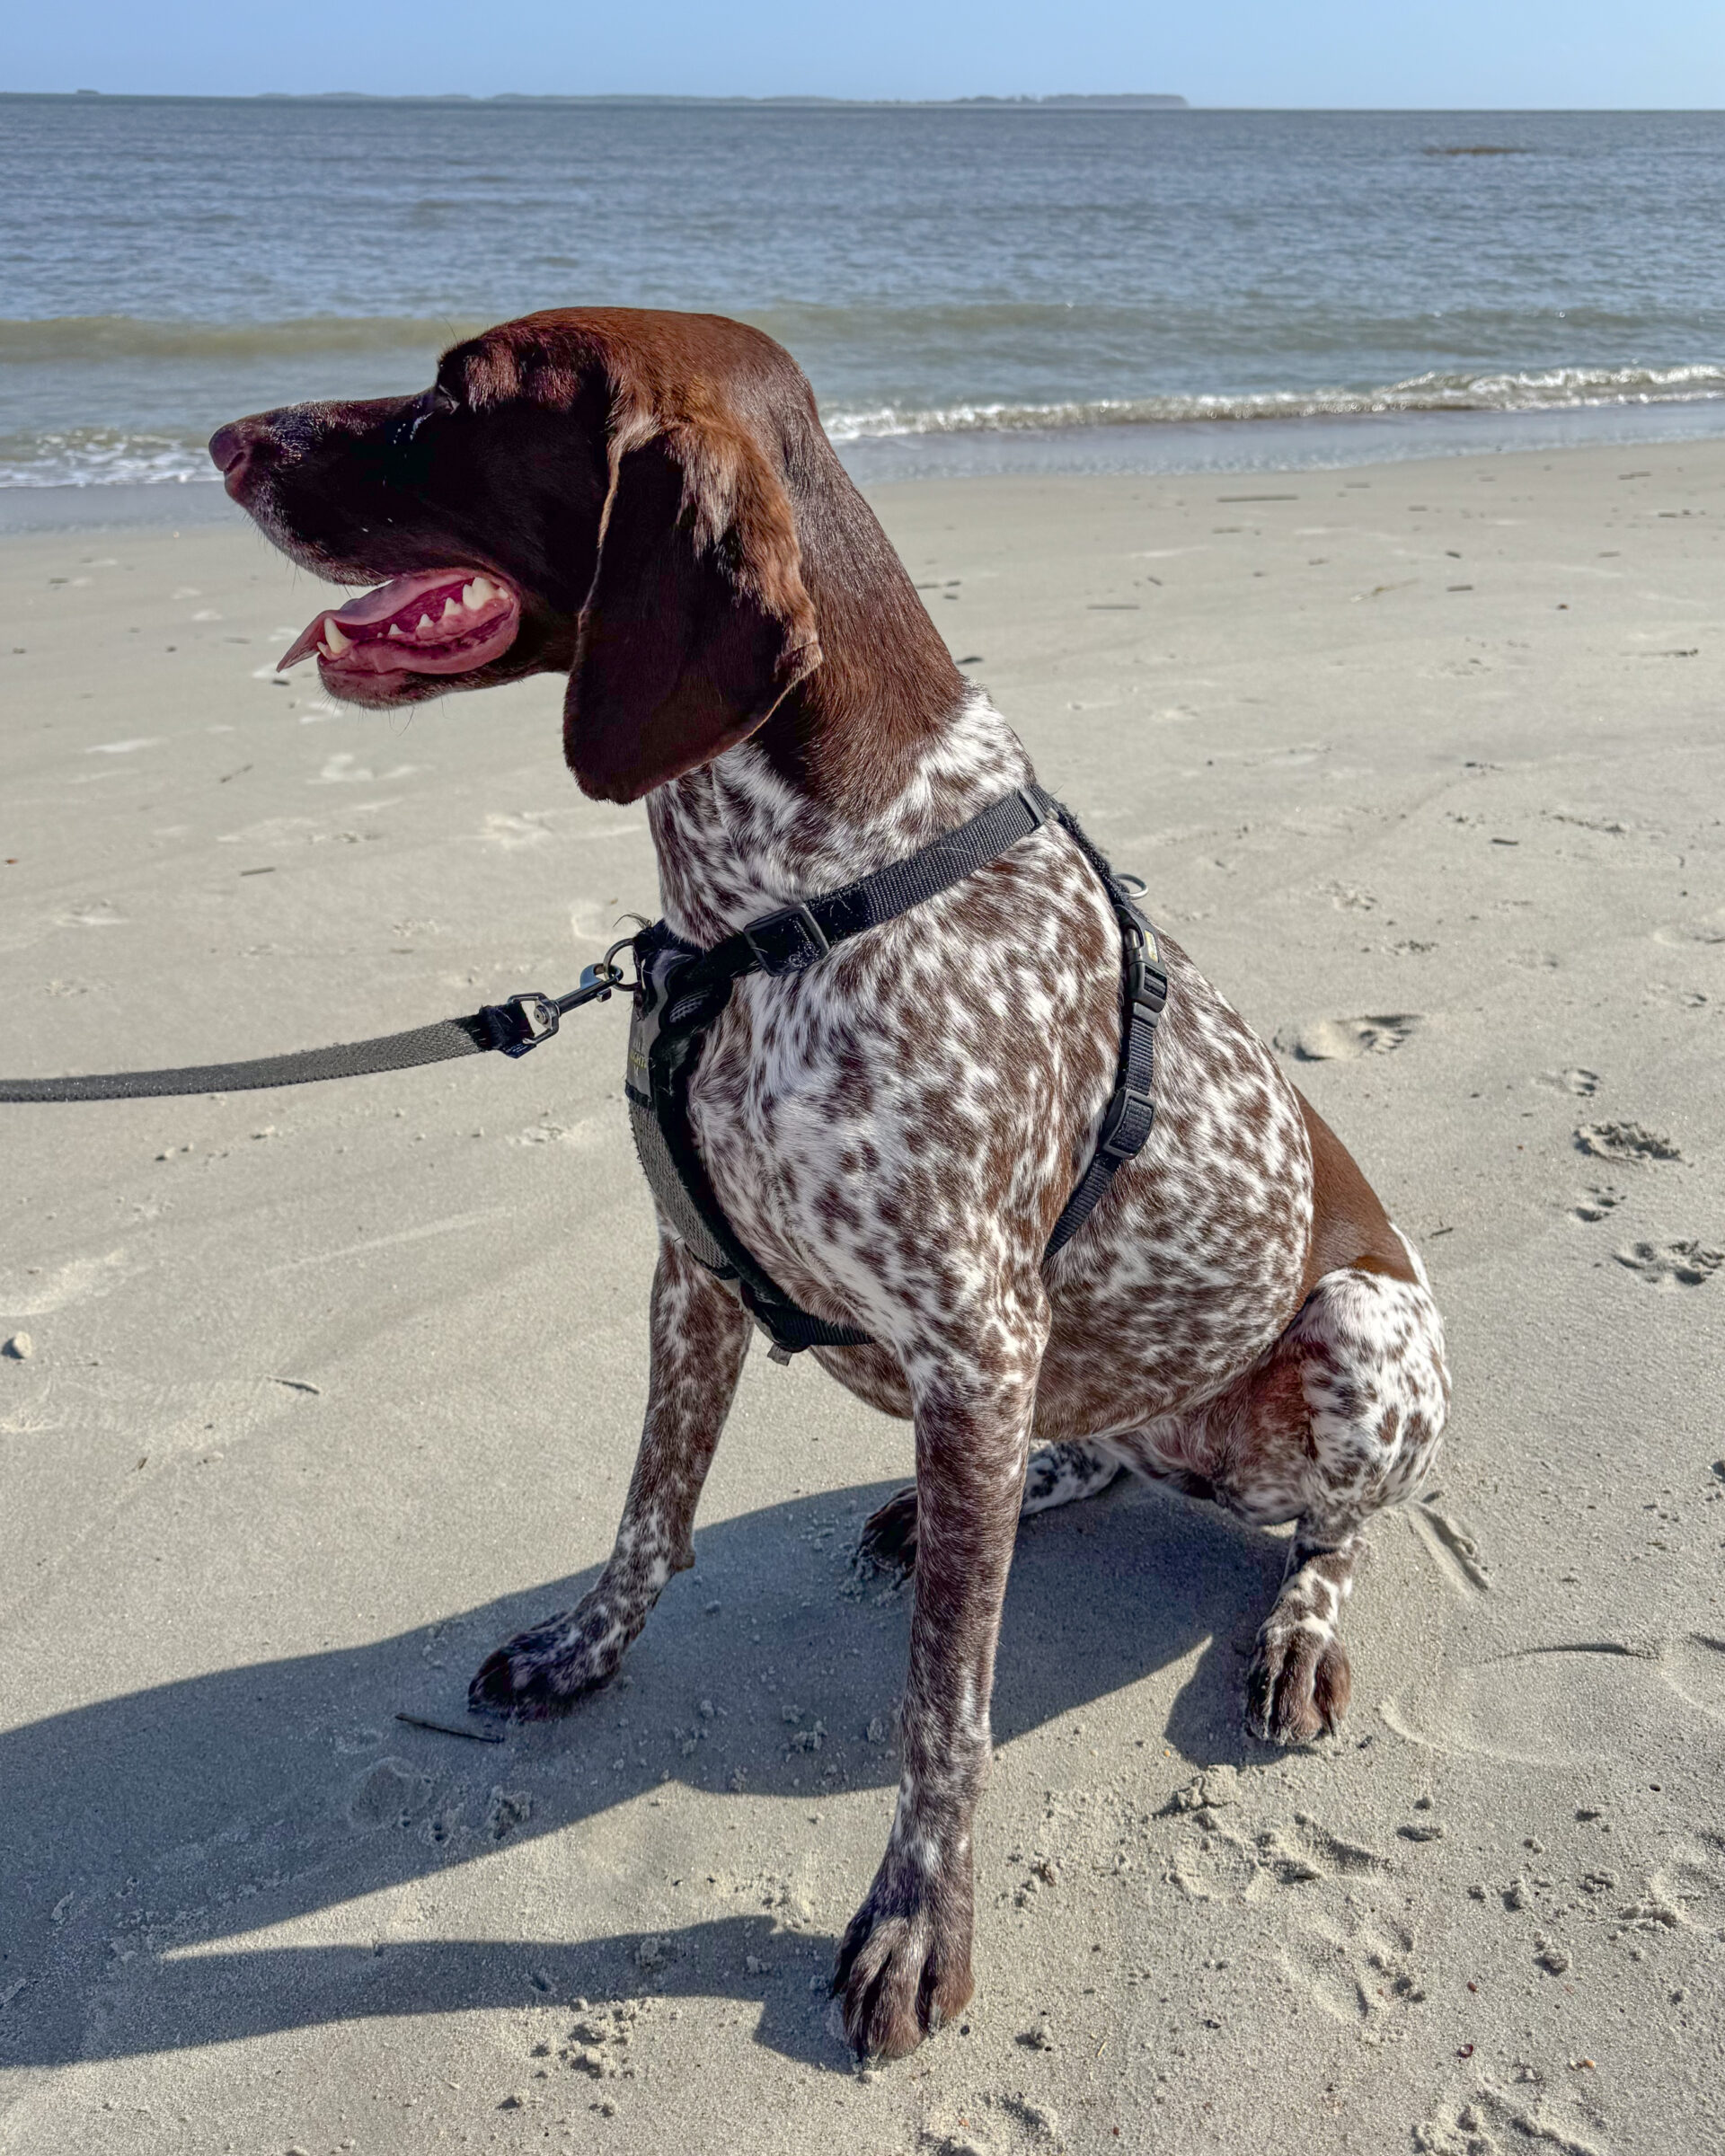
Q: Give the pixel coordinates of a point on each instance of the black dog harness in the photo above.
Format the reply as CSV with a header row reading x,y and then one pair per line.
x,y
682,991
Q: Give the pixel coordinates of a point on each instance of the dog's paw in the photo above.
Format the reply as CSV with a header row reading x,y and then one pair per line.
x,y
888,1542
904,1965
544,1671
1298,1683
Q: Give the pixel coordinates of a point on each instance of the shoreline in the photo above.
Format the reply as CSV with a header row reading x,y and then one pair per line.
x,y
1170,449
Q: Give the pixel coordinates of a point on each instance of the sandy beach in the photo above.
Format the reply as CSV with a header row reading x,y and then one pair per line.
x,y
314,1396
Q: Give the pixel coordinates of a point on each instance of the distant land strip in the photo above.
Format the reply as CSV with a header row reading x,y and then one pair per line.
x,y
1118,101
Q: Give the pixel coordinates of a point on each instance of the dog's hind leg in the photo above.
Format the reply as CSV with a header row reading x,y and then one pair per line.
x,y
1064,1473
700,1337
1342,1418
1300,1678
1057,1474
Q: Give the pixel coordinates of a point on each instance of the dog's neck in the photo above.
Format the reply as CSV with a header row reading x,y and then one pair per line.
x,y
738,838
882,748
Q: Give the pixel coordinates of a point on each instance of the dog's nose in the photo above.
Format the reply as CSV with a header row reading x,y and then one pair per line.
x,y
231,449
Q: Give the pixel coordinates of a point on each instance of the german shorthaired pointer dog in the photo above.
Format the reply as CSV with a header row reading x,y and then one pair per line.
x,y
646,503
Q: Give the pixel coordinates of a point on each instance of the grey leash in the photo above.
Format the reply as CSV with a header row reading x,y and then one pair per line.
x,y
512,1026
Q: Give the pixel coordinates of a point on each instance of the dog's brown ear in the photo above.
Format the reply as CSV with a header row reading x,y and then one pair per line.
x,y
697,622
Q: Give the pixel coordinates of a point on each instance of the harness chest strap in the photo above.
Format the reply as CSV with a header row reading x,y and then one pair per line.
x,y
682,991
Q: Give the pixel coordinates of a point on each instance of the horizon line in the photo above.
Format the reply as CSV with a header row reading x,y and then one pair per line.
x,y
1126,100
1060,100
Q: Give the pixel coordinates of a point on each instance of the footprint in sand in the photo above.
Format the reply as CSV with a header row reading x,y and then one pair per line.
x,y
391,1793
588,1132
506,829
1574,1079
1486,2123
27,1418
1545,1706
991,2125
1327,1853
1694,1669
35,1294
1687,1892
1598,1201
1226,1865
1342,1039
95,913
1356,1970
1624,1142
344,769
1668,1265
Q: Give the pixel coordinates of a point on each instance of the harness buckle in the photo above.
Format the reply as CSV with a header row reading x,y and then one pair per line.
x,y
1146,985
521,1022
787,941
1126,1125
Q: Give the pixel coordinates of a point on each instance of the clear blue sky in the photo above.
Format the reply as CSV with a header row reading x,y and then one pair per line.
x,y
1508,53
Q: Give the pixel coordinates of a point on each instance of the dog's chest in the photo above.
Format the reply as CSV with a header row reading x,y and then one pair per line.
x,y
896,1119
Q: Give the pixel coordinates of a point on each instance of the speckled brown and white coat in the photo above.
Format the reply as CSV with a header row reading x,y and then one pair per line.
x,y
893,1132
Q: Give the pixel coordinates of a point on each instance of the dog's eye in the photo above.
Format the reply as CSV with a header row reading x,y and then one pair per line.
x,y
435,403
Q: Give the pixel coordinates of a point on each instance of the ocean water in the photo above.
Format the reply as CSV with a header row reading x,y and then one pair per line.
x,y
967,288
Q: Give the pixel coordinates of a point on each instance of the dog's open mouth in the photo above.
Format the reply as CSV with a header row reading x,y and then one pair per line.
x,y
437,621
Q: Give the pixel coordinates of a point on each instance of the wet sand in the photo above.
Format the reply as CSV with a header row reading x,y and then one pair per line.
x,y
329,1388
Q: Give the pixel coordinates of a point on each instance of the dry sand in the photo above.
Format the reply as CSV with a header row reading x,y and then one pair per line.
x,y
331,1388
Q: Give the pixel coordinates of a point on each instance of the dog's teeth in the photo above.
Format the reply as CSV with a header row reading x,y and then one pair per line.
x,y
335,644
452,610
427,627
470,598
480,592
395,631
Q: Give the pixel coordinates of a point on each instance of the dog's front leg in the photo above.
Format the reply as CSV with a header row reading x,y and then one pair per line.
x,y
700,1336
904,1966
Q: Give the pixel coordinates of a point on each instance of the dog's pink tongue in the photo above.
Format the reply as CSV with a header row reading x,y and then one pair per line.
x,y
370,606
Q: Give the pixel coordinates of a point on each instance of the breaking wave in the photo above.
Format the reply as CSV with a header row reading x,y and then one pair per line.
x,y
97,456
1547,389
93,456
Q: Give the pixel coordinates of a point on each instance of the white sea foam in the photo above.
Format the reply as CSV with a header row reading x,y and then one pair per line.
x,y
1546,389
95,457
98,455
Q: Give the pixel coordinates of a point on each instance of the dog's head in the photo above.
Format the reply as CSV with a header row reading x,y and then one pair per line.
x,y
600,492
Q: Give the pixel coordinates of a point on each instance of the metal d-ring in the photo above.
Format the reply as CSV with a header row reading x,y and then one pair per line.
x,y
624,943
598,980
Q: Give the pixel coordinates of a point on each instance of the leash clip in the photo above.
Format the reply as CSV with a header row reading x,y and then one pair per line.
x,y
521,1023
597,983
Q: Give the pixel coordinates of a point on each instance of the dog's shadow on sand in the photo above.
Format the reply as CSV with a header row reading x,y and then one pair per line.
x,y
146,1830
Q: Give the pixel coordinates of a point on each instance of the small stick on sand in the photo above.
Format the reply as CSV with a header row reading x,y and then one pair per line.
x,y
473,1736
